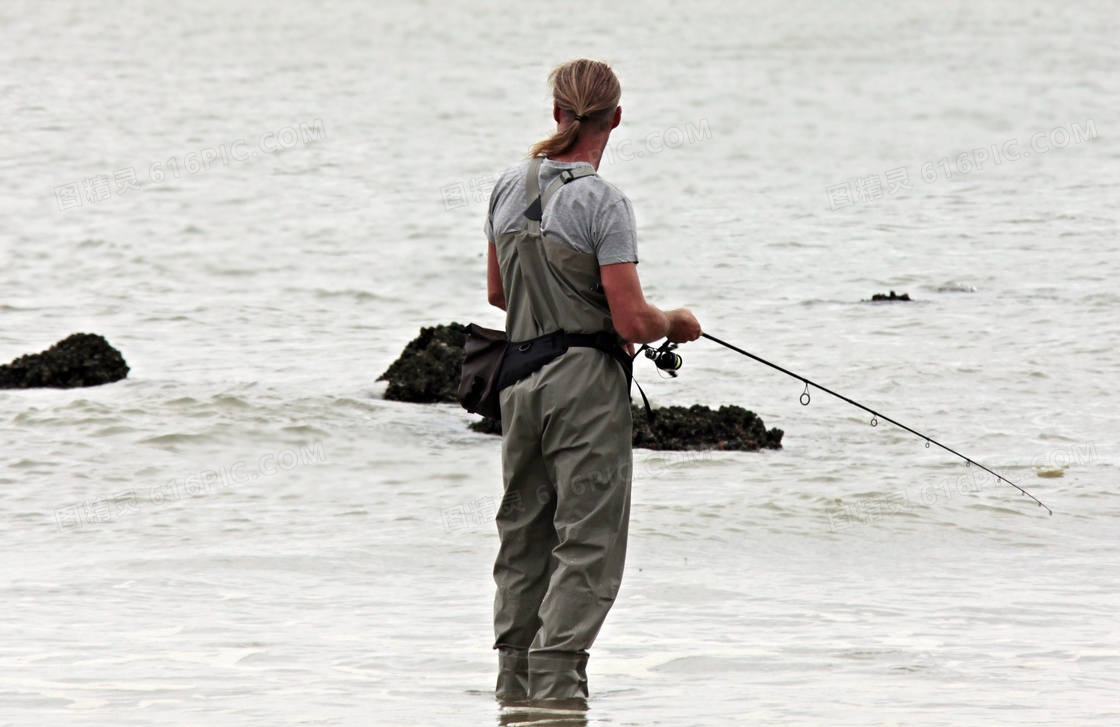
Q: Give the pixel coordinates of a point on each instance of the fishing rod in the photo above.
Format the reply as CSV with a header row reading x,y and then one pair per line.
x,y
667,360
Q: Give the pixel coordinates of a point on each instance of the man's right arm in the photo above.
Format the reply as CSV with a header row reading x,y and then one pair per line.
x,y
635,319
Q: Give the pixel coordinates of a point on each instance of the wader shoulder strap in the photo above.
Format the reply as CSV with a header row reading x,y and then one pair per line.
x,y
535,202
533,180
568,175
533,205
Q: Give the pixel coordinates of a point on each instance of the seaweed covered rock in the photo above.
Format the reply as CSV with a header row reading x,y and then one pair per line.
x,y
700,427
893,296
695,427
486,425
81,359
429,368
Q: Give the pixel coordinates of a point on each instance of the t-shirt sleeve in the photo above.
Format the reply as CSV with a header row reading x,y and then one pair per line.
x,y
615,233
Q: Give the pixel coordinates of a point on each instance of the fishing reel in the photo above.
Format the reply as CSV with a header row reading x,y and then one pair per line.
x,y
664,357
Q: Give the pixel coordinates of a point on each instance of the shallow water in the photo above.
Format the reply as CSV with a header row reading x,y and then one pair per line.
x,y
836,581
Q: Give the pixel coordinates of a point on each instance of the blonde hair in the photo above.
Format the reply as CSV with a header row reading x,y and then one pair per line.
x,y
589,91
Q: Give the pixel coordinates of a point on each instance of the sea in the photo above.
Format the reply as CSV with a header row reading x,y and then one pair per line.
x,y
260,203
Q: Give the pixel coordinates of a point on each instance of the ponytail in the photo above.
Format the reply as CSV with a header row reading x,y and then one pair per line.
x,y
586,90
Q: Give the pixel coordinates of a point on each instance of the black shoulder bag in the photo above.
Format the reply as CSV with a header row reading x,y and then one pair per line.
x,y
482,366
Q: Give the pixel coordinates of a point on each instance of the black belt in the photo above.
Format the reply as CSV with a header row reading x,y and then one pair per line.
x,y
523,358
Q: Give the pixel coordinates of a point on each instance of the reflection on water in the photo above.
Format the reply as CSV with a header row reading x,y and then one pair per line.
x,y
546,713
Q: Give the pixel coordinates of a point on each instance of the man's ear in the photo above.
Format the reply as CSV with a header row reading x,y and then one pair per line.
x,y
556,111
617,117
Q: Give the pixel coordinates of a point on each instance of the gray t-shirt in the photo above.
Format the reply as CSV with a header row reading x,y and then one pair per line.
x,y
589,215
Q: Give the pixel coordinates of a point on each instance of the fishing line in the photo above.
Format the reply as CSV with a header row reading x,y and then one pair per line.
x,y
805,398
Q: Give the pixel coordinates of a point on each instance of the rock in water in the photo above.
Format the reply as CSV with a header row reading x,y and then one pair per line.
x,y
430,367
486,425
696,427
892,296
699,427
82,359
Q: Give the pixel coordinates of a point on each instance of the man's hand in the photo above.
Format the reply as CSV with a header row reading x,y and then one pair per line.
x,y
629,348
683,326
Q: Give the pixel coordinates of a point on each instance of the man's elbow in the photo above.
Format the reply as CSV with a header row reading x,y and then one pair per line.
x,y
498,300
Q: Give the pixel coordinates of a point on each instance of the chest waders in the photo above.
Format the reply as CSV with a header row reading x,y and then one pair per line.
x,y
566,461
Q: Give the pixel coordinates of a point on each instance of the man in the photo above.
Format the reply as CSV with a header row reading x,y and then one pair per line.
x,y
565,260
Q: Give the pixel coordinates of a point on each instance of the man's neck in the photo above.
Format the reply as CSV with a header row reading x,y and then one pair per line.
x,y
588,150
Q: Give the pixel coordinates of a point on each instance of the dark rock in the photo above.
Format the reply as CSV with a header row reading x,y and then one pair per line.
x,y
486,425
429,368
892,296
695,427
699,427
82,359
